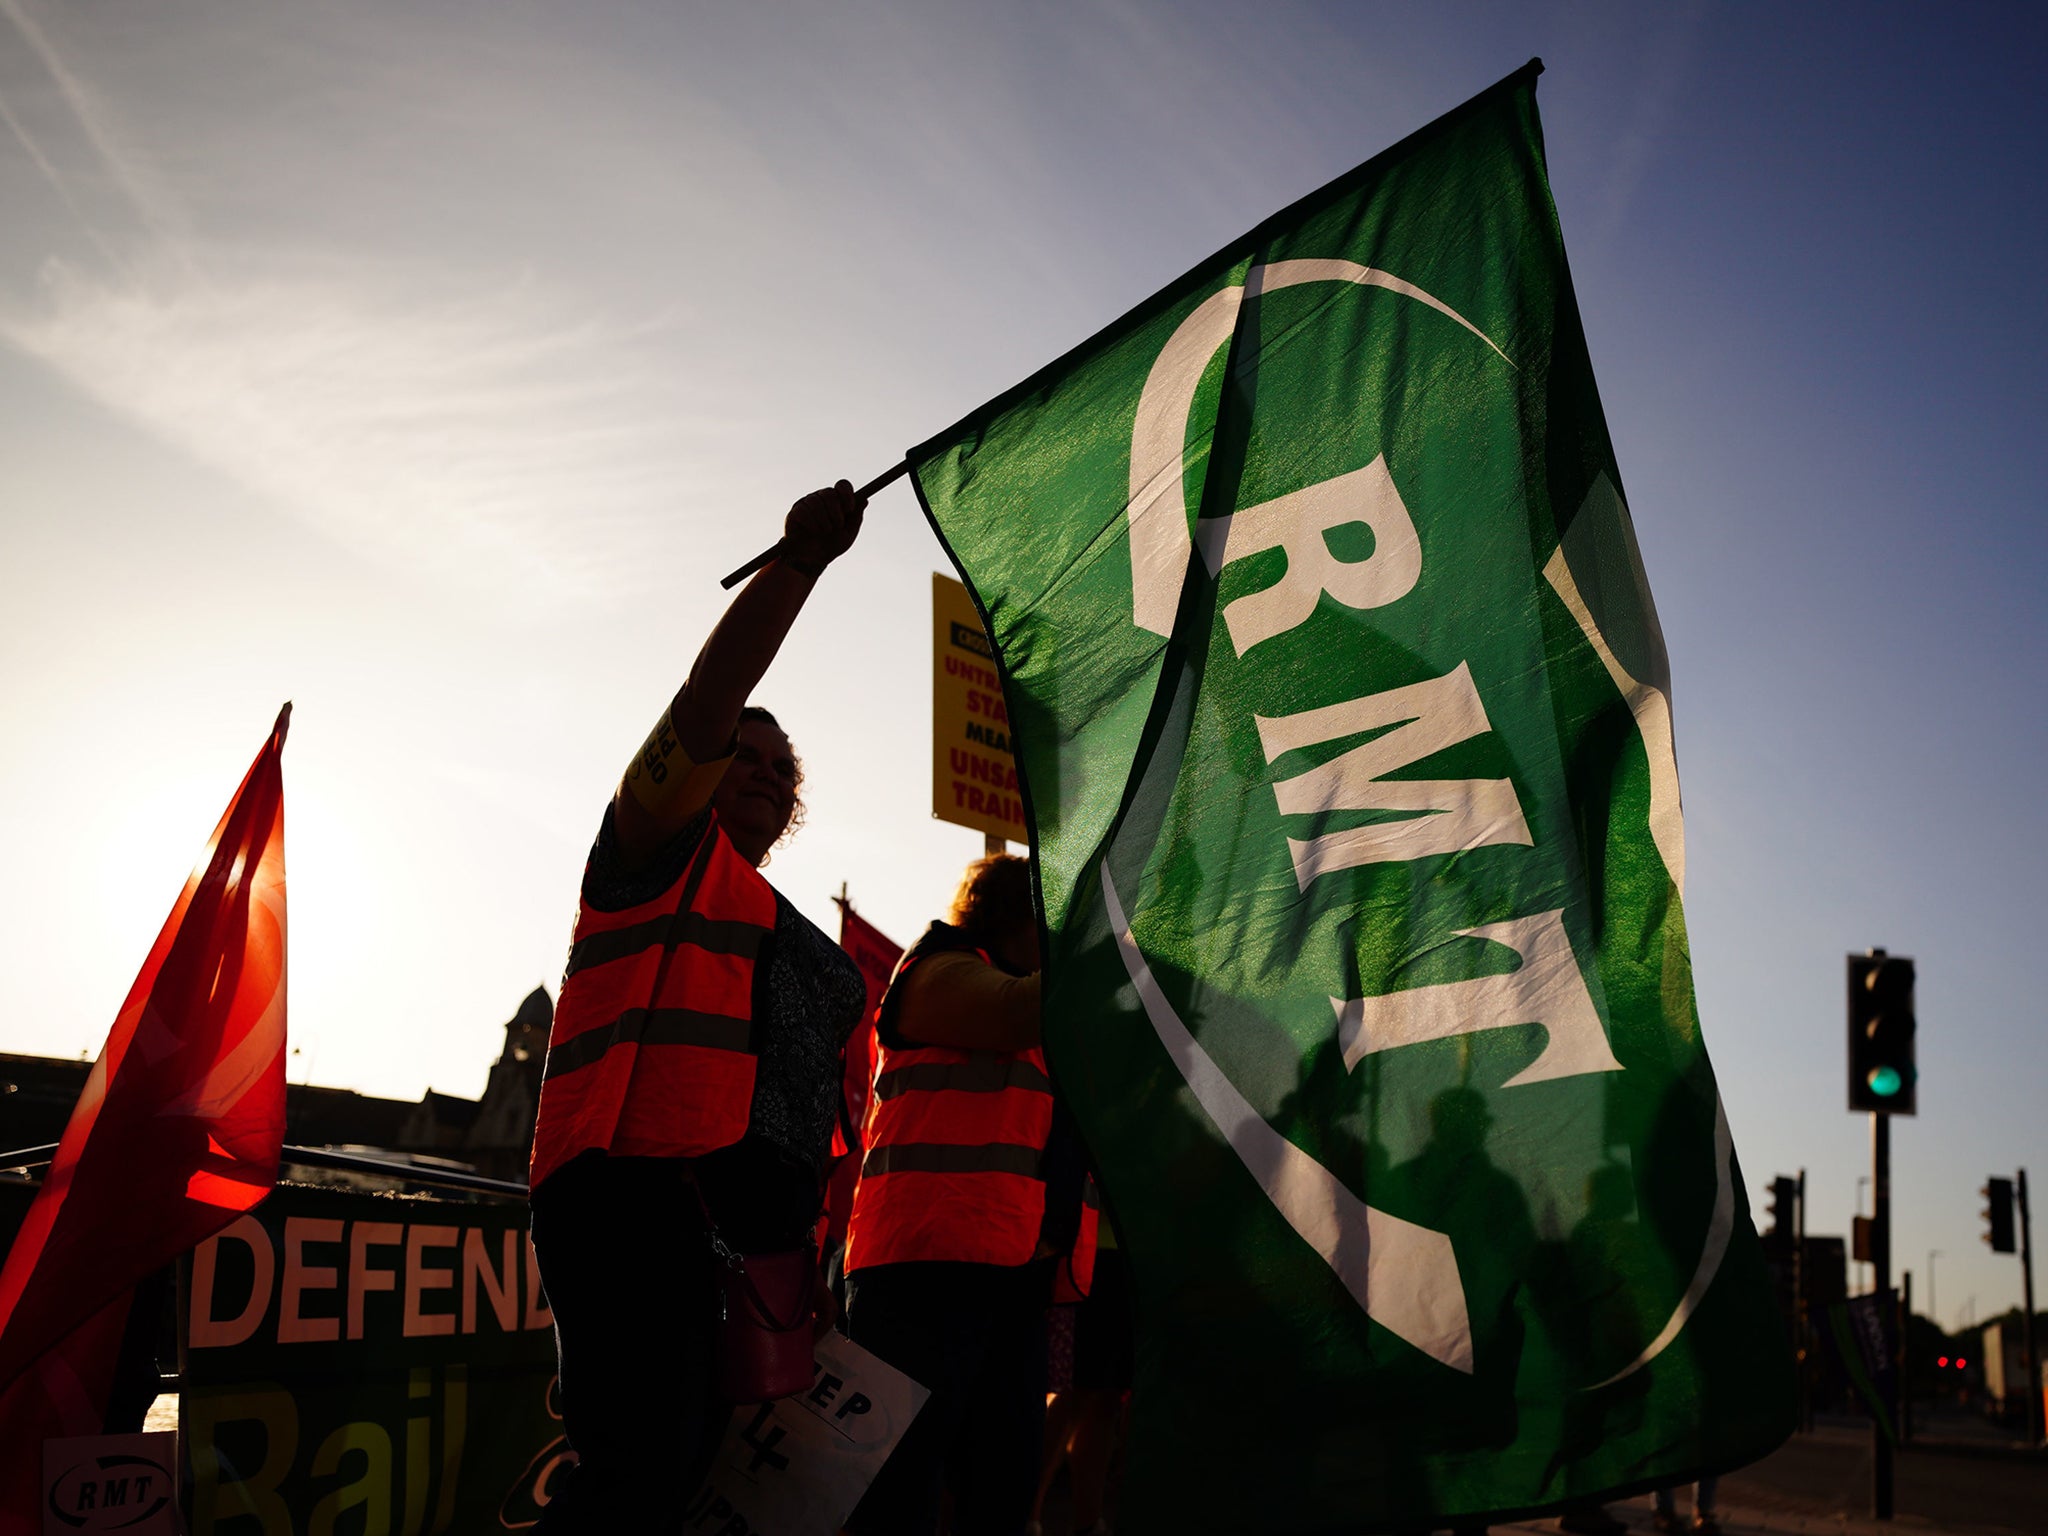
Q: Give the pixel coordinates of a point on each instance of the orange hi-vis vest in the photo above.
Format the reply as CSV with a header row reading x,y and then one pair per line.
x,y
954,1143
1076,1273
652,1050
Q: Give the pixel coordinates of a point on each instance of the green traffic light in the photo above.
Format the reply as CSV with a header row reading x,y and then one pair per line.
x,y
1885,1082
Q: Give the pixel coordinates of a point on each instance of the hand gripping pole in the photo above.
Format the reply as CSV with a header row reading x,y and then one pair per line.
x,y
886,478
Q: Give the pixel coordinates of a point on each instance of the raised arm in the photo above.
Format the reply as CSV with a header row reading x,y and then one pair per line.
x,y
956,1000
673,775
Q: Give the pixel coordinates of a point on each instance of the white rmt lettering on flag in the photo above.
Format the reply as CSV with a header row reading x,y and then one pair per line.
x,y
1447,814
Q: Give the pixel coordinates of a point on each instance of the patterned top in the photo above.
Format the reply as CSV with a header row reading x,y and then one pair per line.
x,y
808,996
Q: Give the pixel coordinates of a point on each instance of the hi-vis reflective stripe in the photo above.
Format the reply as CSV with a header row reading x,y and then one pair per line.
x,y
710,934
650,1026
983,1074
945,1157
670,981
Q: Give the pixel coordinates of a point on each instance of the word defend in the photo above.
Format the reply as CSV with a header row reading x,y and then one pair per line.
x,y
974,772
357,1362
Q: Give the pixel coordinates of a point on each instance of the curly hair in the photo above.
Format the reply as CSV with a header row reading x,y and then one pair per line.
x,y
796,814
994,897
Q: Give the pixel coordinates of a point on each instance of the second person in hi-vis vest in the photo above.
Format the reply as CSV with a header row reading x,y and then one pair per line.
x,y
693,1072
969,1199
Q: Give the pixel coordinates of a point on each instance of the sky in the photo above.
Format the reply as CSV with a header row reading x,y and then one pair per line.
x,y
425,365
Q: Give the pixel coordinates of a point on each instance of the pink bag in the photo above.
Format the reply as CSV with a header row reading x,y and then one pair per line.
x,y
764,1334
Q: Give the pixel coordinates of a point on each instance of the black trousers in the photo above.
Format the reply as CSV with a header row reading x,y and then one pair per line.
x,y
628,1269
975,1335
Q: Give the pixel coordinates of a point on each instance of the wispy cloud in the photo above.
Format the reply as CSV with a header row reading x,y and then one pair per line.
x,y
478,439
35,153
486,432
145,196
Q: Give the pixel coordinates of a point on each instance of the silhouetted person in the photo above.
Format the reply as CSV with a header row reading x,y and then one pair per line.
x,y
693,1070
1606,1262
1460,1189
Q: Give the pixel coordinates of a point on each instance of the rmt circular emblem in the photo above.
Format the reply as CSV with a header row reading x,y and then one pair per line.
x,y
110,1493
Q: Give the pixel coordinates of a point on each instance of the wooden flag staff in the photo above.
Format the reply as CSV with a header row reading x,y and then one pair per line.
x,y
888,477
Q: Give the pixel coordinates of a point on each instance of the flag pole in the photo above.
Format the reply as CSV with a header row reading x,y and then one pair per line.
x,y
887,477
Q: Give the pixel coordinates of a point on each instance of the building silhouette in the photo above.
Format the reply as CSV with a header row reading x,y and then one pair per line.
x,y
491,1135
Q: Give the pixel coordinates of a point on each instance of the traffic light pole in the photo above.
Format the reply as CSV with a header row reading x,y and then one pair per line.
x,y
1904,1313
1881,1270
1883,1081
1800,1306
2027,1280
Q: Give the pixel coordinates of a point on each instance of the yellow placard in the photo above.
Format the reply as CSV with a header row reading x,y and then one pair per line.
x,y
974,774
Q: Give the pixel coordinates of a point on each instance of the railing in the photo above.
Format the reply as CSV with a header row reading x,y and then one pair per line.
x,y
26,1158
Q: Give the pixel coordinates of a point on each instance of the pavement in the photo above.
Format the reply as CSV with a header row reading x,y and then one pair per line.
x,y
1960,1477
1737,1521
1958,1480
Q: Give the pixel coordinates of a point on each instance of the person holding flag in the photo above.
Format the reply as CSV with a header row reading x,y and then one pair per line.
x,y
693,1077
1343,729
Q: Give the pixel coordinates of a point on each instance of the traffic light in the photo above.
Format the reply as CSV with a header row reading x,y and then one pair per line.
x,y
1998,1231
1881,1072
1784,1198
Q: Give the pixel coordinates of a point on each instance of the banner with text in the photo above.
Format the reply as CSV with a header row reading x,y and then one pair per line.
x,y
368,1362
797,1466
974,775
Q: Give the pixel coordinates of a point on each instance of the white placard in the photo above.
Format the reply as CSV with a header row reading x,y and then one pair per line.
x,y
797,1466
120,1483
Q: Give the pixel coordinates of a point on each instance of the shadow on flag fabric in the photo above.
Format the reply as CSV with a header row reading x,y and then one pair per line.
x,y
1344,719
178,1130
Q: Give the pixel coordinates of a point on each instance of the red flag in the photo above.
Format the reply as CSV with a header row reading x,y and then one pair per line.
x,y
63,1393
181,1124
876,954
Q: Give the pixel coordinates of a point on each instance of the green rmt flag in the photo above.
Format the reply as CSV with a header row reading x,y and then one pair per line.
x,y
1344,719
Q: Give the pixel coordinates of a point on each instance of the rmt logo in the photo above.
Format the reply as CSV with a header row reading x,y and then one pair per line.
x,y
110,1493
